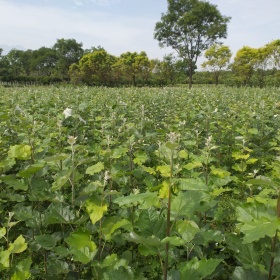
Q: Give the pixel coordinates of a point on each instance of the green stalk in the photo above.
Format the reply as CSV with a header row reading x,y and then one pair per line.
x,y
273,249
168,223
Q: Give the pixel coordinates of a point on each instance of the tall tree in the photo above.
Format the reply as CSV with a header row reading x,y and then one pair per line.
x,y
218,58
68,51
190,27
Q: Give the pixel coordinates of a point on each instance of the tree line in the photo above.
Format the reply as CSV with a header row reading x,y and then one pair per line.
x,y
68,62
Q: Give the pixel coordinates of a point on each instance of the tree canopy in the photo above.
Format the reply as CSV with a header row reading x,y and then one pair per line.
x,y
190,27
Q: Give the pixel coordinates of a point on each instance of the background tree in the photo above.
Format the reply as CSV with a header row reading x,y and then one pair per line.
x,y
168,69
44,62
14,59
243,64
261,64
190,27
218,58
133,66
4,66
93,69
68,51
274,53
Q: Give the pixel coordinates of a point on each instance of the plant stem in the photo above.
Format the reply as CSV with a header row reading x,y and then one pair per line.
x,y
273,247
168,224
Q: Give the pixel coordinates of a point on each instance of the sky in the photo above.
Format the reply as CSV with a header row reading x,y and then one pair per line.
x,y
124,25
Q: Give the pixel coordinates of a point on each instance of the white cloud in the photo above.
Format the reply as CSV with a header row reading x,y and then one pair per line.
x,y
34,27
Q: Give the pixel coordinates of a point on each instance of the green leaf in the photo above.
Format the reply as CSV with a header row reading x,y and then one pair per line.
x,y
219,172
247,254
46,241
4,259
119,152
240,155
83,255
174,241
191,184
98,167
95,208
113,262
119,274
150,241
250,212
257,229
251,161
22,152
261,182
58,213
56,158
57,266
81,238
30,170
253,131
203,237
185,203
111,224
22,270
240,167
240,273
15,183
62,179
149,170
183,154
187,229
198,269
164,170
136,198
192,165
18,246
2,232
81,246
151,223
140,157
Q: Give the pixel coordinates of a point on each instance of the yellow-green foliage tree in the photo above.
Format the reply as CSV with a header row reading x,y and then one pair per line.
x,y
218,58
93,69
132,67
243,65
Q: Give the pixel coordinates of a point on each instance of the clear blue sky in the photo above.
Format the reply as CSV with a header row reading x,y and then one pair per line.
x,y
124,25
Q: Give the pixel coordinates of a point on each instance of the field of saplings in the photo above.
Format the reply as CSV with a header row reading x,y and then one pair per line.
x,y
139,183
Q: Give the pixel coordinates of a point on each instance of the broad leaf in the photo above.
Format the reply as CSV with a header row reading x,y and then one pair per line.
x,y
18,246
198,269
95,208
98,167
22,152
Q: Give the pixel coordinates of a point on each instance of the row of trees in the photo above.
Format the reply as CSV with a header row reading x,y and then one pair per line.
x,y
251,66
67,61
45,64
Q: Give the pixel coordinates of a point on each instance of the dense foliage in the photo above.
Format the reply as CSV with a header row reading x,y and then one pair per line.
x,y
139,183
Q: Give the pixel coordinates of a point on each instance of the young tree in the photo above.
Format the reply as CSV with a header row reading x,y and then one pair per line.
x,y
190,27
218,58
